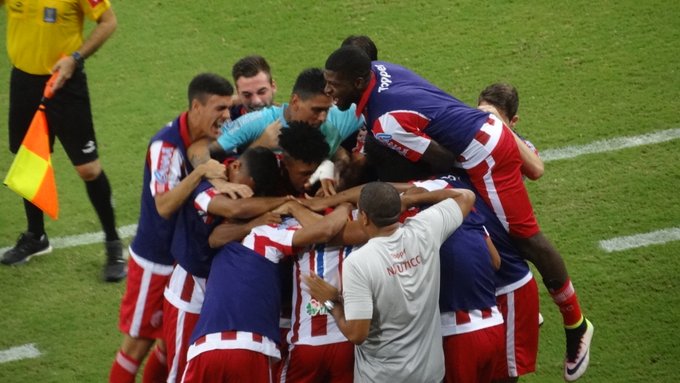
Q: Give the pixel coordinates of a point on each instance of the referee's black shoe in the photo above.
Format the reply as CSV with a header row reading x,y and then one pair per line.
x,y
115,268
27,246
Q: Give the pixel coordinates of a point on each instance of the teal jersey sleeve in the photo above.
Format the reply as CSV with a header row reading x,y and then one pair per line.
x,y
340,125
247,128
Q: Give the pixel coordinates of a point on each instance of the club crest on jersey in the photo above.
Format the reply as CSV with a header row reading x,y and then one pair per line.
x,y
314,308
50,15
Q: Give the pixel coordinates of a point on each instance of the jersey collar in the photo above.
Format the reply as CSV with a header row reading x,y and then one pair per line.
x,y
366,95
184,129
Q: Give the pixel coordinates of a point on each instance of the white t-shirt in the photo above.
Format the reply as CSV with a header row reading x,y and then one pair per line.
x,y
394,281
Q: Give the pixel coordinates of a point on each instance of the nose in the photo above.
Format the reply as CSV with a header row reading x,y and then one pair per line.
x,y
225,116
328,90
256,100
322,117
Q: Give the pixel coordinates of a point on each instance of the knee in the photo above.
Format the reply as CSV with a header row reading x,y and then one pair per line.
x,y
89,171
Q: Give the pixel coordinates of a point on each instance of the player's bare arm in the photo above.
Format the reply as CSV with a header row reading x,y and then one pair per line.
x,y
199,153
106,25
356,331
169,202
232,230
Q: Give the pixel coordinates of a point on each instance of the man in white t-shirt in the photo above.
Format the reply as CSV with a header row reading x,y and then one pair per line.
x,y
389,304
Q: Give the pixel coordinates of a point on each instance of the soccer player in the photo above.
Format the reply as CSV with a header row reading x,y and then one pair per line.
x,y
317,351
364,43
168,182
423,123
503,101
255,86
237,334
184,294
308,103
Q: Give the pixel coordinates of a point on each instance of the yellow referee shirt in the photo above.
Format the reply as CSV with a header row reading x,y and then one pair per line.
x,y
40,31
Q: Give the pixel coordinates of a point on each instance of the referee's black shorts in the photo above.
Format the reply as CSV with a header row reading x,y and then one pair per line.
x,y
69,116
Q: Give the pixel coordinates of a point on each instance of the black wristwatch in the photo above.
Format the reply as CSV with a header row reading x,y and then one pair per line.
x,y
80,60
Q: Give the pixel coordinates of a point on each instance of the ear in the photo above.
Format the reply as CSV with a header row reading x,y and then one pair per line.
x,y
195,104
273,86
360,83
294,100
363,218
513,121
235,165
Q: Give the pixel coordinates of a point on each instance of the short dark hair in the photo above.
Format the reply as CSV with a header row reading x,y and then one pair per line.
x,y
503,96
208,84
304,142
250,66
351,62
364,43
381,203
309,83
263,167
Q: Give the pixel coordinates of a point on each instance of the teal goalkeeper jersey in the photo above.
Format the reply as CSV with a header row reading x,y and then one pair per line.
x,y
339,125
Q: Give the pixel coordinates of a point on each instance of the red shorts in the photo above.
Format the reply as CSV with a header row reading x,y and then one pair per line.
x,y
177,328
520,313
231,365
319,364
141,309
493,163
474,364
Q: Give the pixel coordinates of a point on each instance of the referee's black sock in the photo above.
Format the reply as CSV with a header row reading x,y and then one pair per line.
x,y
35,218
99,191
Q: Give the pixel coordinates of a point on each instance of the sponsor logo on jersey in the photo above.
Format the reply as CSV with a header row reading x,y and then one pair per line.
x,y
385,78
383,137
314,308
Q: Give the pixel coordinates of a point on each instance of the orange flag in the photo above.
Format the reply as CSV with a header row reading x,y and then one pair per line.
x,y
31,174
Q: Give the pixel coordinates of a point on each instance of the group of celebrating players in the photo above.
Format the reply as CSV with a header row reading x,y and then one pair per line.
x,y
243,201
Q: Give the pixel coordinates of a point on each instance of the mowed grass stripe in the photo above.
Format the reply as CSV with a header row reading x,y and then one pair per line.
x,y
548,155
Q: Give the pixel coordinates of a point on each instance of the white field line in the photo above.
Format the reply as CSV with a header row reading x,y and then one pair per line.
x,y
26,351
641,240
610,145
547,156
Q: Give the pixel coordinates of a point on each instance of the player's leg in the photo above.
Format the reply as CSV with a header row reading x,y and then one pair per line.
x,y
141,313
156,367
493,163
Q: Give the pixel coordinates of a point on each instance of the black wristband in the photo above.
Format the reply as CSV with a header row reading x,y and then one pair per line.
x,y
80,60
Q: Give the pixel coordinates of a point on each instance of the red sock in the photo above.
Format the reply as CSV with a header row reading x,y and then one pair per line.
x,y
124,369
565,298
156,368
